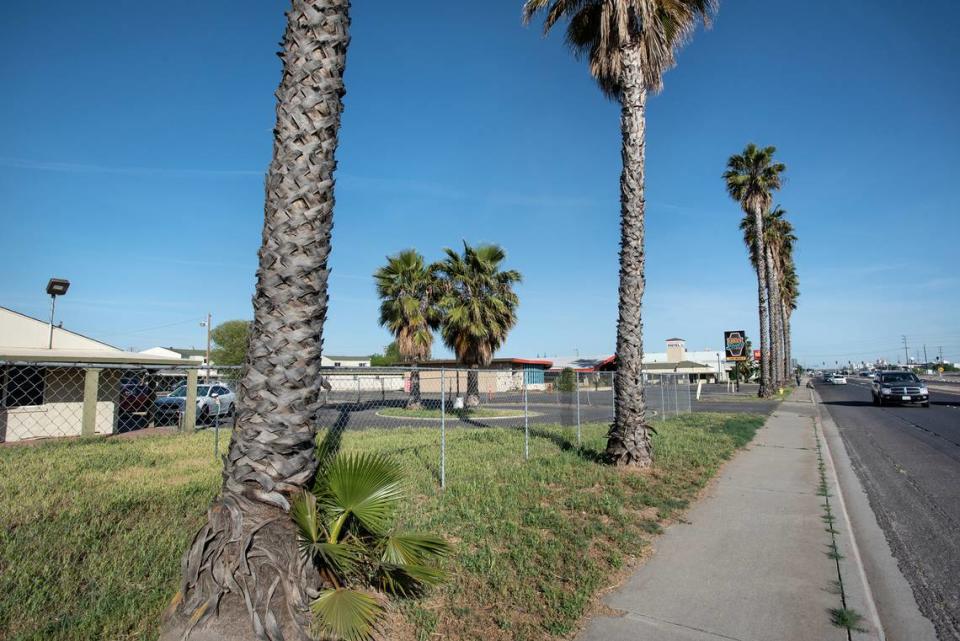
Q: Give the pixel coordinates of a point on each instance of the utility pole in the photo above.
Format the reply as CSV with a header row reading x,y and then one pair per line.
x,y
206,324
906,350
925,361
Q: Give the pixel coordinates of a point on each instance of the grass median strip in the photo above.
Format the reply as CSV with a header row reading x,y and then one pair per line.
x,y
92,531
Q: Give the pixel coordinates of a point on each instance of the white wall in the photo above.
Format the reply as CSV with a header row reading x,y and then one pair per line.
x,y
17,330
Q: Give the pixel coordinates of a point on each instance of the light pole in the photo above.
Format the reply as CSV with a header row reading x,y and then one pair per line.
x,y
55,287
206,324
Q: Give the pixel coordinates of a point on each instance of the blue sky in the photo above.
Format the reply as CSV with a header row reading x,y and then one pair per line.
x,y
134,137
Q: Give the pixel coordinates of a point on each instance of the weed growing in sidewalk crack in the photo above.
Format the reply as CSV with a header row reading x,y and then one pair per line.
x,y
847,618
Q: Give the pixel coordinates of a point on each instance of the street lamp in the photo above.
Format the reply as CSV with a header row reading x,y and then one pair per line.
x,y
56,287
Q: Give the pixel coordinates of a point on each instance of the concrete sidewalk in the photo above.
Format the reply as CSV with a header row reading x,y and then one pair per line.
x,y
750,561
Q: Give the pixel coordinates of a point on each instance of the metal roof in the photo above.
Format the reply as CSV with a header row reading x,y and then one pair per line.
x,y
81,357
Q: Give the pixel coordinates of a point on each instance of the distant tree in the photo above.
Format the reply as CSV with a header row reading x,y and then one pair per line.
x,y
408,293
479,306
230,342
746,370
390,356
566,382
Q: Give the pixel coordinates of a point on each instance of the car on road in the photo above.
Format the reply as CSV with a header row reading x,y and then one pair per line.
x,y
837,379
890,388
214,399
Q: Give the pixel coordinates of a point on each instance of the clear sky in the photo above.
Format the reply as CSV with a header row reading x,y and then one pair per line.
x,y
134,137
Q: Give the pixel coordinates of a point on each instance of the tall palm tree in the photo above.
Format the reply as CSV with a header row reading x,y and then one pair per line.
x,y
479,307
791,292
408,295
751,177
780,241
629,45
243,575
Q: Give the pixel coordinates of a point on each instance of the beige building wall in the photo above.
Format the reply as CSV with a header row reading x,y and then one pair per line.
x,y
676,350
20,331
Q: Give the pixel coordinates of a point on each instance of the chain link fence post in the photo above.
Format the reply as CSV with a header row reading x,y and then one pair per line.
x,y
443,430
663,402
577,379
526,421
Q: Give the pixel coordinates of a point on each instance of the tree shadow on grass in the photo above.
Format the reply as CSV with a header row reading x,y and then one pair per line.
x,y
567,445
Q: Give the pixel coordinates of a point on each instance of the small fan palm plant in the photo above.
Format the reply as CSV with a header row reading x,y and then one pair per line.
x,y
345,528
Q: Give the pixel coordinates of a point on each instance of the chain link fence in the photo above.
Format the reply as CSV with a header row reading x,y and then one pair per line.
x,y
53,400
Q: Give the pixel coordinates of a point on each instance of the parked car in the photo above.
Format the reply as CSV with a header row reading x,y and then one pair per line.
x,y
898,388
215,399
837,379
135,397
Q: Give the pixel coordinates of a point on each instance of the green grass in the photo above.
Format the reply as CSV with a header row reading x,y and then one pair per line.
x,y
473,412
91,532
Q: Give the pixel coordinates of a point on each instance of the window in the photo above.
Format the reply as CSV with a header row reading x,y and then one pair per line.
x,y
336,364
533,375
23,386
362,364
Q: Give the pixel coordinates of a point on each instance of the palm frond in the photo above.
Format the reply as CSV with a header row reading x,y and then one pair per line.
x,y
409,579
364,487
413,548
342,613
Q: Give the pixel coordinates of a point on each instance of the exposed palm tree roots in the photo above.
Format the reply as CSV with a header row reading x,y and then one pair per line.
x,y
243,578
630,447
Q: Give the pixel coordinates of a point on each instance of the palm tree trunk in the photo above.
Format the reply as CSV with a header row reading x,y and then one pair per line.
x,y
776,323
762,289
628,442
788,347
243,576
473,387
414,402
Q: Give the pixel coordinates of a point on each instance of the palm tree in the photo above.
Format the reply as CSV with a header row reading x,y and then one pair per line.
x,y
479,307
408,294
791,291
748,226
243,576
751,178
780,241
629,45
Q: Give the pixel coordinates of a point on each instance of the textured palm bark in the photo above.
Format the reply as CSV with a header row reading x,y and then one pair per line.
x,y
628,441
473,387
414,402
243,577
762,289
776,323
788,339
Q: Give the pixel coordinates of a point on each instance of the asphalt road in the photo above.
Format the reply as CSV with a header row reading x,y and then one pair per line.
x,y
908,460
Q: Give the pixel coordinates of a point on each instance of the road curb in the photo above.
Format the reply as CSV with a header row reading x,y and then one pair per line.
x,y
872,613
